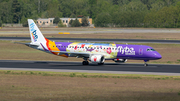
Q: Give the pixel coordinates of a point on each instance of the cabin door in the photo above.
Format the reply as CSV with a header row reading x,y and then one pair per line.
x,y
140,51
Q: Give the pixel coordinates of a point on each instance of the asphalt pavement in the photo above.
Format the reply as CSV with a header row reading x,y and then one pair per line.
x,y
125,68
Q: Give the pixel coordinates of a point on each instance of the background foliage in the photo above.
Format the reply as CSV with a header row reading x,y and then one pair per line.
x,y
105,13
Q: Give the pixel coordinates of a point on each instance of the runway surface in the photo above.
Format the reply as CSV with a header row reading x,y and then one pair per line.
x,y
97,40
126,68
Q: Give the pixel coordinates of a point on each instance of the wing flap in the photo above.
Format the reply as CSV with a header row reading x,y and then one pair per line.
x,y
80,54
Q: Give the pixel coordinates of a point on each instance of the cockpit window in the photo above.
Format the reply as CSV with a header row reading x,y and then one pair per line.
x,y
151,49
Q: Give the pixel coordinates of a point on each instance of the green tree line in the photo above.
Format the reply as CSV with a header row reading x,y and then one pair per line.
x,y
105,13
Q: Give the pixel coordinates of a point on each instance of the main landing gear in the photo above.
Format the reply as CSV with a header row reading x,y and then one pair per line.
x,y
145,63
101,63
85,63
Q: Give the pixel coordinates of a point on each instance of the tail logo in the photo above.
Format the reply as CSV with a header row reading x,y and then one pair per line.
x,y
34,34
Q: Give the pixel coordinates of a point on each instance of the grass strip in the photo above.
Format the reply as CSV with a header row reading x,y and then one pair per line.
x,y
90,75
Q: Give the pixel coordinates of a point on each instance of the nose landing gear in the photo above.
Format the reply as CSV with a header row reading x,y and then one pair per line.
x,y
145,63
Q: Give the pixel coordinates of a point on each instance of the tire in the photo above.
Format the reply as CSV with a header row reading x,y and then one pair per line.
x,y
100,63
85,63
145,65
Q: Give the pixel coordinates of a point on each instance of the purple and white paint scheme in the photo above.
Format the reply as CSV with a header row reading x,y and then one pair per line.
x,y
93,52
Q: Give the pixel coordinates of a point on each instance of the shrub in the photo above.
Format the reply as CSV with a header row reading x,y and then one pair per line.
x,y
60,24
24,21
0,23
56,20
25,24
70,22
76,23
85,21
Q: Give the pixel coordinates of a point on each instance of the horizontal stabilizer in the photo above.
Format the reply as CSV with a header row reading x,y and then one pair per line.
x,y
27,44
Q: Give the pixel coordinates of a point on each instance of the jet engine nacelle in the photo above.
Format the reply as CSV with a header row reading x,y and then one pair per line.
x,y
97,59
120,60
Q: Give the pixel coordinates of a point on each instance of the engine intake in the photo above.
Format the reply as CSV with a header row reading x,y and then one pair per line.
x,y
97,59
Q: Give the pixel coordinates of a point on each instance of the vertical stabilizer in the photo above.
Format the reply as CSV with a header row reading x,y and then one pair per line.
x,y
35,33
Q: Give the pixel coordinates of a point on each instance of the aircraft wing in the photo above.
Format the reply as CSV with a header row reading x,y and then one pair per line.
x,y
79,54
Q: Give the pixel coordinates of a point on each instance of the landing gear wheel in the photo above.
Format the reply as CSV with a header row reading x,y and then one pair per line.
x,y
85,63
145,64
100,63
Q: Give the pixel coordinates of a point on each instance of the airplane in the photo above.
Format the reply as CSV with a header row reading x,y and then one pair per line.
x,y
94,52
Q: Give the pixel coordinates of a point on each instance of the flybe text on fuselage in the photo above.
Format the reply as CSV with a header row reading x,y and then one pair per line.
x,y
126,50
34,35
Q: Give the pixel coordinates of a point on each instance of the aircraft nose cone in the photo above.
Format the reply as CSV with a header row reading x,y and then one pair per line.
x,y
157,56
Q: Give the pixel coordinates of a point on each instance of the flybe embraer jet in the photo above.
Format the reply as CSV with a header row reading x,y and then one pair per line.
x,y
93,52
